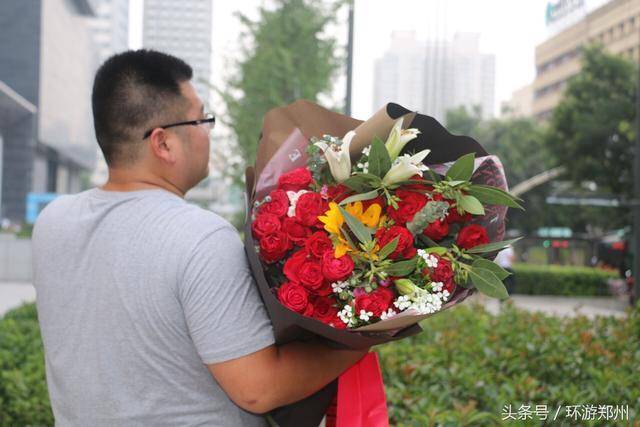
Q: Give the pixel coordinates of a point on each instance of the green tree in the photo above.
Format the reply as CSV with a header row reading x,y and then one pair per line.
x,y
460,121
285,56
591,130
520,146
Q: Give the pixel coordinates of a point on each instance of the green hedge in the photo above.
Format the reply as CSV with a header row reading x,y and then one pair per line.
x,y
561,280
24,400
461,370
467,364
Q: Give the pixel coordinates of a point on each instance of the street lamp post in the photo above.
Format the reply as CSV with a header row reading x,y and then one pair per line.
x,y
635,292
347,101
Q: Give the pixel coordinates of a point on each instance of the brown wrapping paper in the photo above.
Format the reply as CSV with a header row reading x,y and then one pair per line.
x,y
285,130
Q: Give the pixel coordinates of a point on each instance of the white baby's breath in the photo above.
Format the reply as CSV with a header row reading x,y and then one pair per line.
x,y
365,315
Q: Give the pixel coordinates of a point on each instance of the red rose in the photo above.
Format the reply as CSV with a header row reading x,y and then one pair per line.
x,y
454,217
410,203
404,249
274,246
449,286
443,272
310,275
293,264
418,187
472,235
335,269
323,309
295,298
265,223
436,197
309,207
337,193
279,204
295,180
337,323
376,302
297,232
318,244
437,231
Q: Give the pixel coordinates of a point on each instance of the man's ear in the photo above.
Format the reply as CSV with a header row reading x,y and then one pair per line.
x,y
161,146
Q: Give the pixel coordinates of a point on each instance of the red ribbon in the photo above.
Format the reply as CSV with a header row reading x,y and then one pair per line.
x,y
361,400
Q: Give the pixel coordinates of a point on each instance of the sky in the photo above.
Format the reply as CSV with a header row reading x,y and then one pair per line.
x,y
508,29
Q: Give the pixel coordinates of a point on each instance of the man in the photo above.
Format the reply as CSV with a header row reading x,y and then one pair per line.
x,y
147,307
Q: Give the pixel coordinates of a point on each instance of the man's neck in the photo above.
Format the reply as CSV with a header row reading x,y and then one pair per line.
x,y
121,182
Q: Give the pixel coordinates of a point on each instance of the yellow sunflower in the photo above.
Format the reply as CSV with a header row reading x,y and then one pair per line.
x,y
333,221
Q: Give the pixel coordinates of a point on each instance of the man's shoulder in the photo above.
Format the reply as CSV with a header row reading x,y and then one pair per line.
x,y
59,206
199,219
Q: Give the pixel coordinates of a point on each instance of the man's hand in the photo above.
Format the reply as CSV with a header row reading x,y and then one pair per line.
x,y
276,376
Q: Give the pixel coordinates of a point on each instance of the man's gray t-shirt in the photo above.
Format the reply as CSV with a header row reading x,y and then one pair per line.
x,y
136,292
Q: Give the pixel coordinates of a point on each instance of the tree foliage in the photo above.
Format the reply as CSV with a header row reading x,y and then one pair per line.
x,y
591,131
286,55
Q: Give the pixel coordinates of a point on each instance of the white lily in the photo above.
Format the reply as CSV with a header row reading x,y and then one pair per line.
x,y
338,157
398,138
404,167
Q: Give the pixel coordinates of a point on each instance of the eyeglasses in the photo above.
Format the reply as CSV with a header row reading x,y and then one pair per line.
x,y
208,118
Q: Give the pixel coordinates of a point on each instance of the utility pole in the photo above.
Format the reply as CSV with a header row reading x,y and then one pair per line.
x,y
635,292
347,101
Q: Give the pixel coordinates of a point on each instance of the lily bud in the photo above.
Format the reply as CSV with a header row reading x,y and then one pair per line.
x,y
339,159
405,286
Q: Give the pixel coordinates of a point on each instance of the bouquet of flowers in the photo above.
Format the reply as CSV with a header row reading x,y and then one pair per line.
x,y
354,245
356,239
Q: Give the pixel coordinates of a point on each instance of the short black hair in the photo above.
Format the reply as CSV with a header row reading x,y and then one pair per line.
x,y
134,91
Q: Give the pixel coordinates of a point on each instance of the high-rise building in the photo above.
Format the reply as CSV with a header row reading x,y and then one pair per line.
x,y
182,29
520,105
473,75
111,33
435,76
615,25
111,26
399,74
47,63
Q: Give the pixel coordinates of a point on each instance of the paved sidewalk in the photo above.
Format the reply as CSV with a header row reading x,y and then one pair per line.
x,y
13,294
560,305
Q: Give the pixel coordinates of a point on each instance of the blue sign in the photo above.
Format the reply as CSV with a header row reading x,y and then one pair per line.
x,y
35,203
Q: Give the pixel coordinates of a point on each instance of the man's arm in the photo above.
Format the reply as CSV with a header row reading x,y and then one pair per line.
x,y
279,375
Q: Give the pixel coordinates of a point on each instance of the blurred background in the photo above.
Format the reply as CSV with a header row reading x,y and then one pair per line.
x,y
548,86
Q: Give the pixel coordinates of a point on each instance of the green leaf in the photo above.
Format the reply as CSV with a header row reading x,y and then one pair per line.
x,y
471,205
402,268
462,169
359,229
425,183
454,183
494,196
437,250
492,247
363,182
360,197
434,176
500,272
388,248
488,283
379,160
